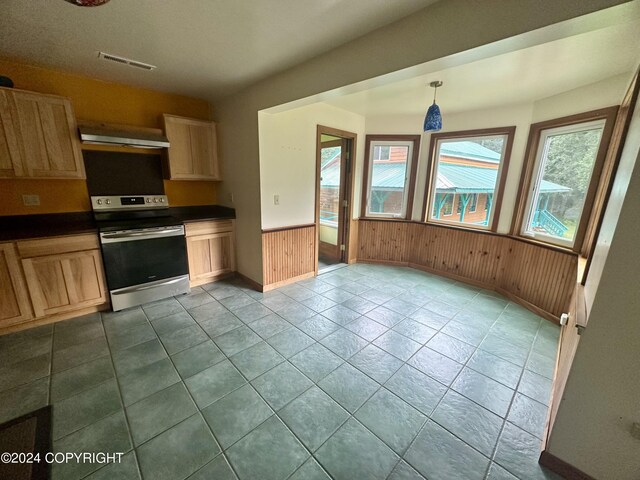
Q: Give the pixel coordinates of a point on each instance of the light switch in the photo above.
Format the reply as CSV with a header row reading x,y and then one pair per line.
x,y
31,200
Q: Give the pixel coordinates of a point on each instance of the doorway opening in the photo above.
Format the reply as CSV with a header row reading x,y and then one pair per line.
x,y
334,173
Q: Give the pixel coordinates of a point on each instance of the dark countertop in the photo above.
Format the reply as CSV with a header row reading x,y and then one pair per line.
x,y
54,224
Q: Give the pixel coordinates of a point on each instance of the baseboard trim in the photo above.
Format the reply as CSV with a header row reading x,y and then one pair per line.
x,y
272,286
561,467
58,317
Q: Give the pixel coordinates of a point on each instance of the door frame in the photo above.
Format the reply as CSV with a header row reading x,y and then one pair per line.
x,y
348,180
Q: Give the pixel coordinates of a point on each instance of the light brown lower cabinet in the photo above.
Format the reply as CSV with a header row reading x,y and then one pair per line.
x,y
14,298
211,250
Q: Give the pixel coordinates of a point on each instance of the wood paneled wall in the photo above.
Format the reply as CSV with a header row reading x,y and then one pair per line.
x,y
539,276
288,255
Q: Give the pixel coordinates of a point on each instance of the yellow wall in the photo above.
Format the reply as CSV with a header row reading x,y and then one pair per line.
x,y
96,100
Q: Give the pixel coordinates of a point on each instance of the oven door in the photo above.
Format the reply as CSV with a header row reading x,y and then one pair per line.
x,y
145,264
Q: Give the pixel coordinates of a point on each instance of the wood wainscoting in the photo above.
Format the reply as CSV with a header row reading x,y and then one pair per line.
x,y
536,276
288,255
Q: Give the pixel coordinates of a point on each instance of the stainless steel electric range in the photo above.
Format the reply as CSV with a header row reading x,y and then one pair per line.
x,y
143,247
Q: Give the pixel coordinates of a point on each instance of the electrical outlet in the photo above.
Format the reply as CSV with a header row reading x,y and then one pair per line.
x,y
276,199
31,200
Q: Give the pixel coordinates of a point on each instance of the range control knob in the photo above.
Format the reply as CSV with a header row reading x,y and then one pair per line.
x,y
148,200
162,200
99,201
155,200
108,202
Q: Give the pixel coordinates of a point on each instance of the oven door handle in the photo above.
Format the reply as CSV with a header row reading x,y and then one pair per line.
x,y
147,287
167,232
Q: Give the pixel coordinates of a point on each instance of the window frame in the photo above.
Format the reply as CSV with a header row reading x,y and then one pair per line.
x,y
410,182
531,163
503,171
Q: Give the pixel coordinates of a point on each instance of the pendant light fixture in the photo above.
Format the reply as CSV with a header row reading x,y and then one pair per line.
x,y
433,119
88,3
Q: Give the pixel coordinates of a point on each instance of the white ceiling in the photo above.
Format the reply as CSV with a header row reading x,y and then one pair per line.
x,y
513,78
202,48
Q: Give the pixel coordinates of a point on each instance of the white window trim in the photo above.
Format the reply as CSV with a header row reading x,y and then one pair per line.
x,y
538,167
407,176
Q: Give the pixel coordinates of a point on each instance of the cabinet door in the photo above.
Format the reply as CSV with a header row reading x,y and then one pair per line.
x,y
14,299
193,151
47,136
210,256
10,158
65,282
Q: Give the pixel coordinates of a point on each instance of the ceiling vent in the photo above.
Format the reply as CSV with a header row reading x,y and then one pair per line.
x,y
126,61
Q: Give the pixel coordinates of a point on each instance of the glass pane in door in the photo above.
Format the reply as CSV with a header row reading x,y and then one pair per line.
x,y
330,171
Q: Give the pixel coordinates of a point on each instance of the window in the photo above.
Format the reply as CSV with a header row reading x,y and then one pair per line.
x,y
389,175
466,166
564,161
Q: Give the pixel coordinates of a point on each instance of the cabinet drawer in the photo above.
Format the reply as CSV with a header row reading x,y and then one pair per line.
x,y
56,245
208,227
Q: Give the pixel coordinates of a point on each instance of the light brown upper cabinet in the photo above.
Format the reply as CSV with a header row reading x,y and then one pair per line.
x,y
38,136
193,152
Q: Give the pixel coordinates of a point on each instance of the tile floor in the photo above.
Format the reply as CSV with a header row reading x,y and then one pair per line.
x,y
367,372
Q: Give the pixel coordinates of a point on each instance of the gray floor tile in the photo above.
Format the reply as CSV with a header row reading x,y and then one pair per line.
x,y
236,340
535,386
451,347
277,301
138,356
318,327
126,469
541,365
430,318
256,360
496,368
435,365
518,452
108,435
119,339
366,328
376,363
220,324
442,308
269,325
220,290
78,354
159,412
313,417
195,299
181,339
191,446
470,334
377,296
338,295
310,471
252,312
354,452
344,343
391,419
340,314
235,415
281,385
317,285
360,305
404,471
528,414
72,335
401,306
416,331
397,345
496,472
25,371
214,383
468,421
236,302
487,392
85,408
348,386
316,361
502,348
80,378
195,359
290,342
297,292
23,348
437,454
147,380
253,456
208,311
162,308
24,399
172,322
118,321
385,316
416,388
216,469
319,303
